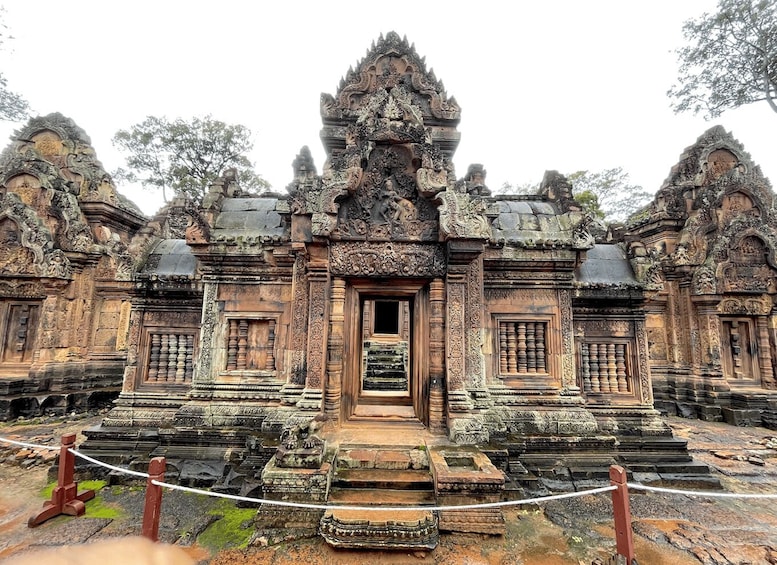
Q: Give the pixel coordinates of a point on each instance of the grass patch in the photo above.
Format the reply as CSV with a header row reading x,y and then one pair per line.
x,y
95,508
229,531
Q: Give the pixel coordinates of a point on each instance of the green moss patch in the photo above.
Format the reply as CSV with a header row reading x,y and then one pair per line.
x,y
233,529
95,508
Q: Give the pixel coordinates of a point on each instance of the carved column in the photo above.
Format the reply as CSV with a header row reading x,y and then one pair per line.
x,y
299,330
436,356
765,354
643,367
202,373
318,298
476,374
334,365
133,346
691,333
709,338
460,255
568,379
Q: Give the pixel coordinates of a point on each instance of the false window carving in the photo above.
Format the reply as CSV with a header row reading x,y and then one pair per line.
x,y
523,347
251,345
171,358
605,368
18,325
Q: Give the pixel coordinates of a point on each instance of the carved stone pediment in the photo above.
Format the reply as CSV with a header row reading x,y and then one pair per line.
x,y
26,247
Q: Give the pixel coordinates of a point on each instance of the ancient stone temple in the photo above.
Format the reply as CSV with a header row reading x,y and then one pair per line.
x,y
710,238
386,324
65,273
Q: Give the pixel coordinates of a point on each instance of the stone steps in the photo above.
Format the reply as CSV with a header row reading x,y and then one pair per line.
x,y
381,476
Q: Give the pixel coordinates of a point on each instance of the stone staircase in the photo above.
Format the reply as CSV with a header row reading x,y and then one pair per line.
x,y
392,476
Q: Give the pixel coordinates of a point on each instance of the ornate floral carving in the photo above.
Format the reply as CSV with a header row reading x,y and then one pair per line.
x,y
462,216
387,259
752,306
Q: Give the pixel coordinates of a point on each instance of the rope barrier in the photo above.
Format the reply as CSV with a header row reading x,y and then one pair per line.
x,y
107,466
386,508
704,493
29,445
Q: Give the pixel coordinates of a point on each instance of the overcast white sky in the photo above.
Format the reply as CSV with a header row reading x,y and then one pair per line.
x,y
565,85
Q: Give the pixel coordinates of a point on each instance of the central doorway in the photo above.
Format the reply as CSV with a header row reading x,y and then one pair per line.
x,y
386,372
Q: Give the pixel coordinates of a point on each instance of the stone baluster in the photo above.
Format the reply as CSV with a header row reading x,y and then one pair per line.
x,y
242,344
172,357
153,360
180,369
620,364
269,363
232,346
612,375
521,345
595,382
502,348
531,352
163,358
512,366
540,344
586,368
189,367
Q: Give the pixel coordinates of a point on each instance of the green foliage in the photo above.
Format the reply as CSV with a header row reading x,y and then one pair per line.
x,y
590,203
608,194
233,530
731,59
12,106
523,188
186,156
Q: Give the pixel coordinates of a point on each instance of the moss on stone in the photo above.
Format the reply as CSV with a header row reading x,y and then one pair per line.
x,y
232,530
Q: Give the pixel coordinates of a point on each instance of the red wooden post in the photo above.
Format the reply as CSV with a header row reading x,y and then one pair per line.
x,y
153,507
65,498
624,540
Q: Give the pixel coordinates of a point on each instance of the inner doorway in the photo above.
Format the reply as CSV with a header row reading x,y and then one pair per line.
x,y
385,368
386,375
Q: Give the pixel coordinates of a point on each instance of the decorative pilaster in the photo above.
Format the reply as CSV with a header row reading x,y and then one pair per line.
x,y
318,277
643,367
568,380
765,354
202,372
334,365
436,356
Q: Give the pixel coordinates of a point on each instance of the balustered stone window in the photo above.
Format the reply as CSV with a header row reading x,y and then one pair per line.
x,y
605,368
171,357
522,347
251,345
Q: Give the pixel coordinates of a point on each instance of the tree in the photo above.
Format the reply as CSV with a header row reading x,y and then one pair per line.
x,y
13,107
186,156
731,60
608,194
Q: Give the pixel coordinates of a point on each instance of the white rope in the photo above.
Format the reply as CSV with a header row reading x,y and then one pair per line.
x,y
385,508
708,494
30,445
107,466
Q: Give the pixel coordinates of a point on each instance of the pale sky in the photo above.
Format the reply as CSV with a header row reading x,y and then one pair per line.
x,y
565,85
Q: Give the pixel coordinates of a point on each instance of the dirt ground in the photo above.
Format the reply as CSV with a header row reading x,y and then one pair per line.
x,y
668,529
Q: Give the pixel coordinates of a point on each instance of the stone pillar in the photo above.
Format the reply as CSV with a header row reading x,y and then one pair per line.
x,y
203,374
765,354
318,301
334,364
295,384
643,369
476,374
568,377
133,349
459,257
436,356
